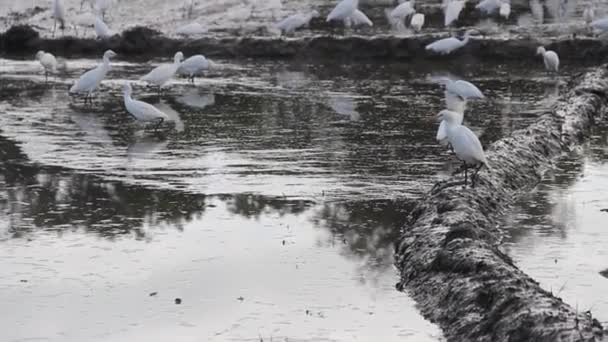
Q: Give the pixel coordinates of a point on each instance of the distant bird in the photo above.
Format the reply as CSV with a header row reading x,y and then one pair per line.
x,y
538,12
163,73
102,7
589,14
48,62
600,25
90,80
505,9
463,89
488,6
193,66
550,59
465,144
452,11
142,111
358,18
296,21
447,45
399,14
58,15
192,29
84,20
343,10
102,31
417,21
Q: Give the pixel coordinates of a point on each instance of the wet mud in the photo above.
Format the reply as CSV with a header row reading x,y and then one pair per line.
x,y
449,251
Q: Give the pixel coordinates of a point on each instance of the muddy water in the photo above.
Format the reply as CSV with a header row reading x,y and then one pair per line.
x,y
558,233
269,208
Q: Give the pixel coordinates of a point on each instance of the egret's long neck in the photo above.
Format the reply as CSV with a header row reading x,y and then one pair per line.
x,y
106,62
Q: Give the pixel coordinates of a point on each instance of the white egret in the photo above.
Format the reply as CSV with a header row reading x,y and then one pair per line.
x,y
48,62
465,144
296,21
58,15
84,20
142,111
505,9
600,24
358,18
192,29
417,21
454,104
399,14
163,73
343,10
464,89
447,45
102,7
589,14
538,12
90,80
488,6
550,58
193,66
452,11
102,31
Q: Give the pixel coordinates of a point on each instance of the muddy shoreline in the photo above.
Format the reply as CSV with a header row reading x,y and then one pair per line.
x,y
23,41
449,251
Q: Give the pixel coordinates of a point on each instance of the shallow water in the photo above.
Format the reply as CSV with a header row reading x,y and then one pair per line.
x,y
269,209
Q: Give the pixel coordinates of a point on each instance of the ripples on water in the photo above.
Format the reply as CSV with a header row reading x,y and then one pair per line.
x,y
270,209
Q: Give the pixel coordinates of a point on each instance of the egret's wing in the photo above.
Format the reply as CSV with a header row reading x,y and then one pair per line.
x,y
359,18
465,89
342,10
146,112
86,82
157,73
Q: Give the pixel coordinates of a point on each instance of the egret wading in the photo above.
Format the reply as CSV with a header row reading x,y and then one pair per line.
x,y
296,21
550,59
142,111
90,80
48,62
58,15
465,143
193,66
448,45
164,72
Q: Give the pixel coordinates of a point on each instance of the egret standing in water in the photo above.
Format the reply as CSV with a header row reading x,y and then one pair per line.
x,y
296,21
192,29
48,62
550,58
142,111
193,66
447,45
465,143
163,73
58,15
90,80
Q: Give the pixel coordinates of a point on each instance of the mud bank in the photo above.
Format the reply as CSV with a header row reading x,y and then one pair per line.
x,y
449,251
23,41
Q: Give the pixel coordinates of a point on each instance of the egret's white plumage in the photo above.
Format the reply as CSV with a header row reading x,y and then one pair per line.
x,y
48,62
417,21
90,80
600,24
550,59
163,73
58,15
465,143
102,7
296,21
447,45
343,10
589,14
102,31
193,66
488,6
462,88
399,14
505,9
142,111
191,29
358,18
452,11
85,20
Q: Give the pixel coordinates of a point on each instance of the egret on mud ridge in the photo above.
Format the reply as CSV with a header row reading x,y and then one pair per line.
x,y
192,29
48,62
142,111
465,144
447,45
343,10
90,80
417,21
163,73
550,58
452,11
358,18
102,31
399,14
193,66
296,21
456,95
58,15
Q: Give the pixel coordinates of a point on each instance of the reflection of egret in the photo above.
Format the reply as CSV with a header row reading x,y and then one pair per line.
x,y
550,59
417,21
196,100
358,18
142,111
146,147
465,143
447,45
90,80
344,105
296,21
48,62
172,115
164,72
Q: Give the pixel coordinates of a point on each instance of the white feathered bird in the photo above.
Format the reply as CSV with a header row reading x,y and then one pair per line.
x,y
399,14
193,66
163,73
447,45
90,80
48,62
58,15
102,31
417,21
296,21
505,9
550,59
452,11
465,144
191,29
358,18
488,6
343,10
600,24
142,111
